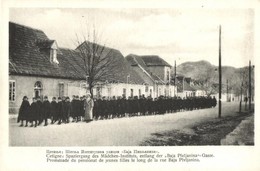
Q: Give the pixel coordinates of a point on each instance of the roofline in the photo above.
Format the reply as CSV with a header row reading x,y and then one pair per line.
x,y
158,65
69,78
45,76
25,26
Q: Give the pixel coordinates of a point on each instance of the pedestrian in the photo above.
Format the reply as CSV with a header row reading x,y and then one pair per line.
x,y
54,112
89,104
46,110
77,109
66,110
73,108
34,113
24,112
59,110
81,108
40,110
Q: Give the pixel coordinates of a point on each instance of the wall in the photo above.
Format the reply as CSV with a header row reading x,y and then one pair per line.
x,y
111,90
199,93
50,87
165,90
25,87
186,94
159,71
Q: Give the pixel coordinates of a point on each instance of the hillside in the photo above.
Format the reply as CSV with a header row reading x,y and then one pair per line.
x,y
202,70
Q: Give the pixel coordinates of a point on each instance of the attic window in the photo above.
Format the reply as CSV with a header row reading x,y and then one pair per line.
x,y
53,56
53,53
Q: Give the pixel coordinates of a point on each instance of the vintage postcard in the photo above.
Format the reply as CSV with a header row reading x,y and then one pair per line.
x,y
126,86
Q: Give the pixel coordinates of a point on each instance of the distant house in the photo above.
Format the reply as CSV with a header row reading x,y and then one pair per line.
x,y
38,67
198,88
156,72
226,96
184,88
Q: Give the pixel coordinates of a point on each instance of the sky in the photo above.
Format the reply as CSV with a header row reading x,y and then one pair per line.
x,y
173,34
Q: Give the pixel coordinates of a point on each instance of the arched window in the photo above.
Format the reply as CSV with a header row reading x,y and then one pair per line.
x,y
38,89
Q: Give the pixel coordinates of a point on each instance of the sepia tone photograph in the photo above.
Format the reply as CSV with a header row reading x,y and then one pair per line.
x,y
131,77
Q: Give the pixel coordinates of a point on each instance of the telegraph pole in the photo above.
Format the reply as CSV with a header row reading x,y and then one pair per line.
x,y
175,79
220,75
227,92
250,92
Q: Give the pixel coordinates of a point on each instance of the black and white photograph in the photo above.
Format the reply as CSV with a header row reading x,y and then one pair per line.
x,y
131,77
129,85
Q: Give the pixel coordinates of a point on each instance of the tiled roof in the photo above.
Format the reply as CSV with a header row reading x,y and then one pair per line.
x,y
187,87
26,57
44,44
134,60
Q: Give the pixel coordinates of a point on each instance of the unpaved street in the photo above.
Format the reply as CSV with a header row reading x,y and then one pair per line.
x,y
114,132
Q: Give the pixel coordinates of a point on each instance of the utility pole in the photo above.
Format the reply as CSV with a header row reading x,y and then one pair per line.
x,y
175,80
240,103
220,75
227,92
250,91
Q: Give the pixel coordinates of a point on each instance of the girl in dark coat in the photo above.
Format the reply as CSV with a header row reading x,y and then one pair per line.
x,y
40,110
59,110
66,110
82,111
77,110
24,111
34,112
54,113
46,107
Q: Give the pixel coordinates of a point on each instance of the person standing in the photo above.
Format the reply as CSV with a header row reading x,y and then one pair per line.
x,y
59,110
46,110
77,109
40,110
24,112
34,113
54,113
88,105
73,108
81,108
67,110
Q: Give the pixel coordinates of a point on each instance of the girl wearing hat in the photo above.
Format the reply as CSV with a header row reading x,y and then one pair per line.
x,y
24,112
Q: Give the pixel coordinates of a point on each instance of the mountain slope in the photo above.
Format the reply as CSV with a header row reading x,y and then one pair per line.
x,y
203,70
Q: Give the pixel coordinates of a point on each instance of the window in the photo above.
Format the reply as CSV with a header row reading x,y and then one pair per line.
x,y
146,89
12,88
109,91
140,93
151,92
53,56
37,89
168,76
124,92
132,92
98,92
61,89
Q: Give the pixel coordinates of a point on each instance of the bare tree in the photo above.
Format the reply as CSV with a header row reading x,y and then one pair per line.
x,y
209,79
98,61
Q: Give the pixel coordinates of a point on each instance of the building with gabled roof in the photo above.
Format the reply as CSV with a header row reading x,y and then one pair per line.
x,y
39,67
156,71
